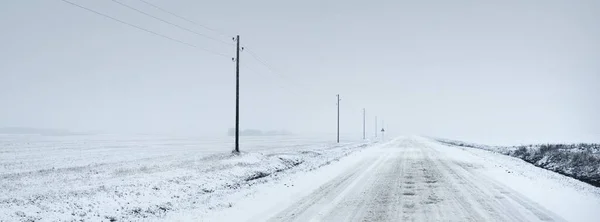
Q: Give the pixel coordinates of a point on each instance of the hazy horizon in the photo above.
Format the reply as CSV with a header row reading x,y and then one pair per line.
x,y
492,72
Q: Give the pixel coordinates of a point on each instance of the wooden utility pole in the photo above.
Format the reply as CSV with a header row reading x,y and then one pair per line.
x,y
237,96
364,119
338,118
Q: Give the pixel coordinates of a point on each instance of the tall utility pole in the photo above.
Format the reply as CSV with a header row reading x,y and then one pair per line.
x,y
338,118
237,96
364,119
376,129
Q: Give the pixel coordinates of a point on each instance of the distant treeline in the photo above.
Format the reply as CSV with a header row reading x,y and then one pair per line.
x,y
255,132
36,131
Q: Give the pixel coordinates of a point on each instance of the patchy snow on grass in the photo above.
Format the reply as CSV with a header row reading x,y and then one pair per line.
x,y
117,179
571,199
580,161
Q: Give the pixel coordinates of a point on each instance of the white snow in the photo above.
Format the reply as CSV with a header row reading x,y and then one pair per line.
x,y
276,178
580,161
143,178
565,196
472,184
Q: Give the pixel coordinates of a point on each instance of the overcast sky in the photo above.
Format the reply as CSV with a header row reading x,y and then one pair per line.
x,y
502,72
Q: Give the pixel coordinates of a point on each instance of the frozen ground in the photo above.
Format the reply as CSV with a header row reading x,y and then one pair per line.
x,y
278,179
417,179
580,161
116,178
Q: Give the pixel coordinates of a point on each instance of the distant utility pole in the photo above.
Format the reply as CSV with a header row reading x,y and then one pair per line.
x,y
338,118
237,95
364,119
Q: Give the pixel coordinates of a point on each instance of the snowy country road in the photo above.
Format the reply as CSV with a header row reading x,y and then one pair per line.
x,y
411,181
98,178
417,179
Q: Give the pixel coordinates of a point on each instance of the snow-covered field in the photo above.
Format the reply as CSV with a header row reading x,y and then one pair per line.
x,y
117,178
146,178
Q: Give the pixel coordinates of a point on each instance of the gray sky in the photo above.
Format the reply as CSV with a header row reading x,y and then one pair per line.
x,y
501,72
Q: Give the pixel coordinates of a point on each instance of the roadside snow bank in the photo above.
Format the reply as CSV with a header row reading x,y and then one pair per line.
x,y
565,196
580,161
151,188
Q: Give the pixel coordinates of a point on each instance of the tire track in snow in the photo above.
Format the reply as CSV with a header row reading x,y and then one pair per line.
x,y
411,181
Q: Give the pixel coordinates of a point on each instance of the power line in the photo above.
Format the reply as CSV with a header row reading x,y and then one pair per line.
x,y
280,86
143,29
260,60
262,74
185,19
257,58
272,70
170,23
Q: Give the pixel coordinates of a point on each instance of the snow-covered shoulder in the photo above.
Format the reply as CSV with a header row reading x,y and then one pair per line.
x,y
571,199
